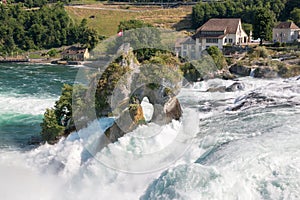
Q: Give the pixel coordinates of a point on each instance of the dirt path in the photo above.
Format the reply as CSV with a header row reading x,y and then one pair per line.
x,y
109,9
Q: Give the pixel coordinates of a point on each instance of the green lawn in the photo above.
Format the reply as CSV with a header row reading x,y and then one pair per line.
x,y
106,21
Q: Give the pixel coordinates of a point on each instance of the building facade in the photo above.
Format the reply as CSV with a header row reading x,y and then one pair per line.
x,y
286,32
74,53
215,32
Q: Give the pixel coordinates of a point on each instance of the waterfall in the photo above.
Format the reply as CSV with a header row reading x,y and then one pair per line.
x,y
252,73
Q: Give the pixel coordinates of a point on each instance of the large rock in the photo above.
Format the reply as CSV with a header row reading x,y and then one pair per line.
x,y
129,120
240,70
235,87
232,88
159,83
265,72
172,109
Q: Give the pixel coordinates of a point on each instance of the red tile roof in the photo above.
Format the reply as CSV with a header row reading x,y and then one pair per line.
x,y
287,25
228,25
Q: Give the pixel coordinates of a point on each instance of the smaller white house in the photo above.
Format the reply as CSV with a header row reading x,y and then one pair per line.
x,y
215,32
286,32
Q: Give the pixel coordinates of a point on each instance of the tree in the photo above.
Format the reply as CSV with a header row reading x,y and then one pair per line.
x,y
263,24
295,16
217,56
204,11
51,130
89,38
289,7
247,28
58,121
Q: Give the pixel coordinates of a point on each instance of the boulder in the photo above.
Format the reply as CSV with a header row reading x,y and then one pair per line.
x,y
232,88
240,70
265,72
217,89
172,109
129,120
235,87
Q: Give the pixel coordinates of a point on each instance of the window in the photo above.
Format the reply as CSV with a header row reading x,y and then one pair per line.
x,y
211,40
193,47
193,55
184,54
184,46
225,40
230,40
212,32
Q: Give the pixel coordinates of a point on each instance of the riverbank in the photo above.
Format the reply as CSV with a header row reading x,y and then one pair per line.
x,y
42,61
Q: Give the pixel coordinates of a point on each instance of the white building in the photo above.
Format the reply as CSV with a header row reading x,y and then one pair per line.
x,y
286,32
215,32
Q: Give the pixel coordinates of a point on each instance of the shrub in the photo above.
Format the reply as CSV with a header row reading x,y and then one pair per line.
x,y
217,56
261,52
51,130
52,52
277,44
58,120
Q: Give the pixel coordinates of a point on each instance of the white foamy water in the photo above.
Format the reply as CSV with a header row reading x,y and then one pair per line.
x,y
33,105
250,153
79,174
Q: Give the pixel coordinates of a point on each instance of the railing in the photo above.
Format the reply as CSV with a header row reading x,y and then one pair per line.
x,y
7,60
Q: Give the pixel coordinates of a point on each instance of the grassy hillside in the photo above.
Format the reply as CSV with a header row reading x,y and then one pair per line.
x,y
105,19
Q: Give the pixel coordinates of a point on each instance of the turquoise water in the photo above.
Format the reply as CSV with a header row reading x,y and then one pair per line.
x,y
26,90
248,153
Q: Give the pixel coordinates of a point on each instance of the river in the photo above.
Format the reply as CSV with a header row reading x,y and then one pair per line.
x,y
243,144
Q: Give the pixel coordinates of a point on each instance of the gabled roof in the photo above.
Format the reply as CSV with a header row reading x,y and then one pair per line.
x,y
74,50
287,25
186,40
225,25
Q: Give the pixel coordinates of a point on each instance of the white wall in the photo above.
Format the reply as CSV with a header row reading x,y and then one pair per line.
x,y
283,35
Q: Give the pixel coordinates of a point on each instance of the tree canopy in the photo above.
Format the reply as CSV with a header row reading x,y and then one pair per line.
x,y
243,9
295,16
48,27
37,3
263,24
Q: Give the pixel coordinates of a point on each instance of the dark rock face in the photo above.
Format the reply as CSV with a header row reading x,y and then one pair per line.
x,y
265,72
240,70
217,89
173,110
235,87
251,99
232,88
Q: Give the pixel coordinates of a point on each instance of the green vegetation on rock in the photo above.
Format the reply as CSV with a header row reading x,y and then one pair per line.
x,y
51,130
217,56
58,121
